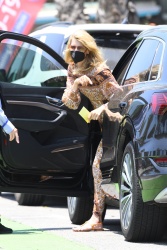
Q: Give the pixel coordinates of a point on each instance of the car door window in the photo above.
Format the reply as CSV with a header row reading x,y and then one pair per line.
x,y
124,66
140,68
27,64
155,69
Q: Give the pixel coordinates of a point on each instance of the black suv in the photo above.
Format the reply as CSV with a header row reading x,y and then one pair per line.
x,y
57,146
135,151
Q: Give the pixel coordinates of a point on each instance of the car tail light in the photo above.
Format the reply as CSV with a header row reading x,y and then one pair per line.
x,y
159,103
162,162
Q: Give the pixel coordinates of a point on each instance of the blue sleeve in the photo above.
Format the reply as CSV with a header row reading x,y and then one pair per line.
x,y
4,122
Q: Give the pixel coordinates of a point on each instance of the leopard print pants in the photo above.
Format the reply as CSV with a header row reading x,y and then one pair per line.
x,y
99,195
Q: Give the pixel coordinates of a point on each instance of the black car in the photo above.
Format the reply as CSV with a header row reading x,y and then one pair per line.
x,y
57,146
135,151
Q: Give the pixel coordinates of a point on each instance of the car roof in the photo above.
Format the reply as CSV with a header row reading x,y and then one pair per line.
x,y
158,31
68,28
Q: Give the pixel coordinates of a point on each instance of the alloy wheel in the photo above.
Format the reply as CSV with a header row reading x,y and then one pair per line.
x,y
126,191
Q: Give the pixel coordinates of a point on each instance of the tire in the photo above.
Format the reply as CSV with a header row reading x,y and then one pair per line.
x,y
80,209
140,222
29,199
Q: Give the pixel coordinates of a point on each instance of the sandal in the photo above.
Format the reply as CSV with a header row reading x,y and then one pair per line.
x,y
87,227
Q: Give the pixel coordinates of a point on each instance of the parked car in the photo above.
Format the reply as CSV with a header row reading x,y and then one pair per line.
x,y
57,147
137,147
112,39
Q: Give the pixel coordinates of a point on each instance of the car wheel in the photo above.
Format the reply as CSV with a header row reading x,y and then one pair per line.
x,y
80,209
139,221
29,199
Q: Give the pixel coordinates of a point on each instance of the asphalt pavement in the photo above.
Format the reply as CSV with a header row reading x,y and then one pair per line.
x,y
49,227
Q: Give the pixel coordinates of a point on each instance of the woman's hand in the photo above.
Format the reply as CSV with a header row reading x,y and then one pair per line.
x,y
14,135
113,116
83,81
95,114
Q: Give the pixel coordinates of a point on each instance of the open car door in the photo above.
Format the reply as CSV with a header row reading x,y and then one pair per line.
x,y
53,154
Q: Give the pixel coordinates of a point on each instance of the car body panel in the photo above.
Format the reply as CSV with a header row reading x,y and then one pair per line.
x,y
140,125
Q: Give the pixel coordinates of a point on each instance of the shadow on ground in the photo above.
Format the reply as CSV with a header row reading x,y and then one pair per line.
x,y
52,201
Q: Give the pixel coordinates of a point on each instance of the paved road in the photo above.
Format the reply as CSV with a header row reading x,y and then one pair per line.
x,y
53,219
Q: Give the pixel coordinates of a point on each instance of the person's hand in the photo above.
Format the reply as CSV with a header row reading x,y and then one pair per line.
x,y
113,116
14,135
95,114
83,81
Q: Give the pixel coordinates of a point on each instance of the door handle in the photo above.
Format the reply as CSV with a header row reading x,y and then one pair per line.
x,y
55,101
123,105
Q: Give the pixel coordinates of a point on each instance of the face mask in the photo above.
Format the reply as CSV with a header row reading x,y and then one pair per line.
x,y
77,56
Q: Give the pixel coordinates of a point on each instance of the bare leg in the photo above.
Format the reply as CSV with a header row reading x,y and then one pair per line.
x,y
99,197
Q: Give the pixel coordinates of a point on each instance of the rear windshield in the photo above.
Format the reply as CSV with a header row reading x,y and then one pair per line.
x,y
113,45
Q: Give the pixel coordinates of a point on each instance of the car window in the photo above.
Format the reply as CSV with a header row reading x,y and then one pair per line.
x,y
113,46
121,68
140,68
53,40
155,69
27,64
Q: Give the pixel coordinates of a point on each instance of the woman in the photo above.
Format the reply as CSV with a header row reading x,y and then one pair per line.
x,y
88,74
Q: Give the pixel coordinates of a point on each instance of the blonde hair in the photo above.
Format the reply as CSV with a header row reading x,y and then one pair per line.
x,y
93,59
